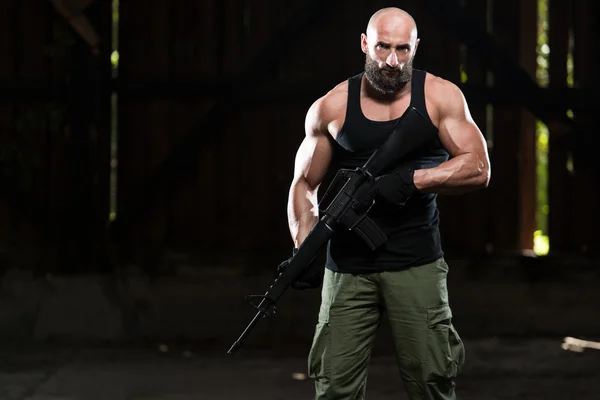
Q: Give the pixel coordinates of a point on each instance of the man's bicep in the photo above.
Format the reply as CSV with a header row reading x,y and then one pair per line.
x,y
312,159
458,132
461,137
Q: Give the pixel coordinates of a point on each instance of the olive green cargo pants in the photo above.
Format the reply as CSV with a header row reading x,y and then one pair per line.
x,y
429,351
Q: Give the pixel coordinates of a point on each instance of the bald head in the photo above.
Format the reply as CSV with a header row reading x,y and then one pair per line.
x,y
389,44
392,21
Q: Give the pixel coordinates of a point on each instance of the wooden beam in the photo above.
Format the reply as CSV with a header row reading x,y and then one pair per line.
x,y
505,185
586,174
559,182
527,161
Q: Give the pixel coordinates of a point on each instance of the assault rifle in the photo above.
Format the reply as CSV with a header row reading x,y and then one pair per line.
x,y
340,210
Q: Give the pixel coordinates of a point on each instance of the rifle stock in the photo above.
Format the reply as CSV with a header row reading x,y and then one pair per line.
x,y
339,212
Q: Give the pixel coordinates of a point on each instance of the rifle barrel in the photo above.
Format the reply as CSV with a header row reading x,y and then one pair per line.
x,y
236,345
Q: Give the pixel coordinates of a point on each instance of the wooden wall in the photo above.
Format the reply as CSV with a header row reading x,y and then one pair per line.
x,y
211,103
573,196
54,125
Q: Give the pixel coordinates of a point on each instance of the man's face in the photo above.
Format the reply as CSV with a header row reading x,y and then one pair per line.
x,y
389,53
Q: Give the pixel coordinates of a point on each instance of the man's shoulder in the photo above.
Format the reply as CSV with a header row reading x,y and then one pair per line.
x,y
338,94
333,102
438,84
438,90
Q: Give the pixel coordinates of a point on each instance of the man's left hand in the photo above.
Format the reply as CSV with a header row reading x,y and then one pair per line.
x,y
395,188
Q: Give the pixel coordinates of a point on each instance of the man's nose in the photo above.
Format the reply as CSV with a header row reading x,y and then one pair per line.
x,y
392,59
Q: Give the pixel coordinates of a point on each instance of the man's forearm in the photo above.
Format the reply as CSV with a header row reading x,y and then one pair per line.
x,y
461,174
303,212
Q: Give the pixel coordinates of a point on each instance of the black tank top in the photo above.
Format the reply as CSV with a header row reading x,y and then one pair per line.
x,y
413,231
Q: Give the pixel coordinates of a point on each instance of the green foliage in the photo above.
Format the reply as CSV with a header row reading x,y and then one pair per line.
x,y
543,51
115,24
542,208
541,242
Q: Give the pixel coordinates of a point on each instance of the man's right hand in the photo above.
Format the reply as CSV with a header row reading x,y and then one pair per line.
x,y
310,278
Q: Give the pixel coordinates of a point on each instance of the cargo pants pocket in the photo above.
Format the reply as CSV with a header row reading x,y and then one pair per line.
x,y
446,352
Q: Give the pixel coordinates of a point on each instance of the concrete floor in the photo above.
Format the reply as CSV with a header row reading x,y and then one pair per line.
x,y
496,369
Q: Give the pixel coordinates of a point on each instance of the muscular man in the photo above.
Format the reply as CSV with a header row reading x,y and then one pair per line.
x,y
406,277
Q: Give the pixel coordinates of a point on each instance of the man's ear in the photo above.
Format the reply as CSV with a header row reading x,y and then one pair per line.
x,y
363,43
416,46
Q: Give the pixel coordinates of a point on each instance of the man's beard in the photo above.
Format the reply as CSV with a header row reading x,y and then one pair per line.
x,y
391,80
